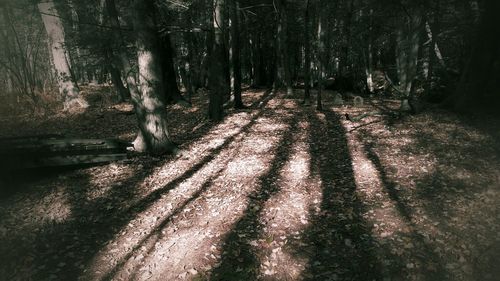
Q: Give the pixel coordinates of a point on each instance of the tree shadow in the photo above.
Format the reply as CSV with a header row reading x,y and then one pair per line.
x,y
239,261
339,241
65,250
426,253
157,231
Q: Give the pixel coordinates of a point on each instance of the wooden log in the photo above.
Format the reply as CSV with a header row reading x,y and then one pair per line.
x,y
70,160
53,150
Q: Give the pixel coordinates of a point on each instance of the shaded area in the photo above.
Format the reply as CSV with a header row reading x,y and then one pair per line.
x,y
426,253
62,249
441,178
240,261
341,246
71,244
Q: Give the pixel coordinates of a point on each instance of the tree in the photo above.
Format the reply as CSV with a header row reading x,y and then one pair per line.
x,y
148,103
60,57
321,52
172,93
112,61
282,50
307,56
121,60
236,54
219,86
407,50
478,86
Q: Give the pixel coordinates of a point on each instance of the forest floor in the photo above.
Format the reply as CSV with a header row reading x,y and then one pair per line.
x,y
278,191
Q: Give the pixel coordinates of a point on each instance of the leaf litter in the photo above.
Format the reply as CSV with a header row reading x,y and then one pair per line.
x,y
277,191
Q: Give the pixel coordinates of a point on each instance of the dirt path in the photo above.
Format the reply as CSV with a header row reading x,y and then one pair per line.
x,y
275,192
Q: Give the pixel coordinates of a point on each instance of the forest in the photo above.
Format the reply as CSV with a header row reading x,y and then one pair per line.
x,y
250,140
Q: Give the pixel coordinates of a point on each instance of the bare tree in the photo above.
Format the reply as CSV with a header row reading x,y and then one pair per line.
x,y
60,57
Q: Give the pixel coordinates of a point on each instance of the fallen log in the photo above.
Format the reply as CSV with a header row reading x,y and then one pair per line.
x,y
56,150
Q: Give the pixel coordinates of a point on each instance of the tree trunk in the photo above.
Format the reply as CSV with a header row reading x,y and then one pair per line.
x,y
7,69
122,60
320,54
408,44
345,61
283,52
148,103
307,56
369,63
478,86
217,79
172,93
113,63
67,87
123,93
236,54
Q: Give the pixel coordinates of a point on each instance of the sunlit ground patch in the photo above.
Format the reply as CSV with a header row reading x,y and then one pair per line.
x,y
172,234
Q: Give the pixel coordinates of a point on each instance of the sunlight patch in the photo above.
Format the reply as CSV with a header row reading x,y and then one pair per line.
x,y
267,125
287,214
245,167
258,145
174,230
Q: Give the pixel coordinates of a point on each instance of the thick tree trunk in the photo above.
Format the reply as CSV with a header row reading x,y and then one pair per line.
x,y
148,103
236,54
217,78
172,93
478,87
67,86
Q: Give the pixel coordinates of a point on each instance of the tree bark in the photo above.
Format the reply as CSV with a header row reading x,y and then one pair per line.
x,y
113,63
478,86
369,63
236,54
283,52
123,92
407,50
172,93
320,53
307,56
345,61
122,61
67,86
217,77
148,103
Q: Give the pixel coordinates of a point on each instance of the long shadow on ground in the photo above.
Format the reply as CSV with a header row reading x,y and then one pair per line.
x,y
239,261
63,251
340,242
427,254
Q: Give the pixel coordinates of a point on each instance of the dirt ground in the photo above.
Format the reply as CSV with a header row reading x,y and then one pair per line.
x,y
278,191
